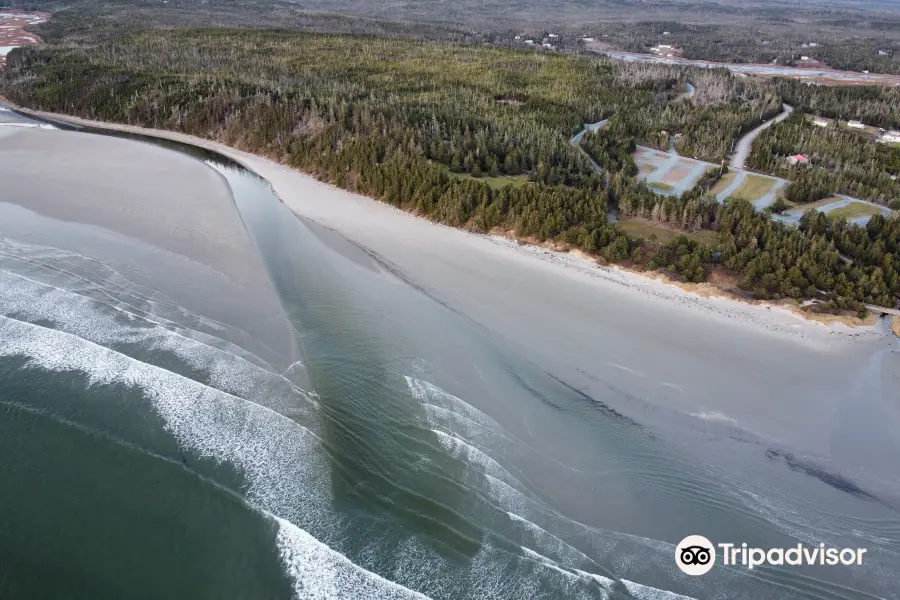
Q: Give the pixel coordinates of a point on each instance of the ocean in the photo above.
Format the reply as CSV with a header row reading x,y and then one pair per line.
x,y
319,426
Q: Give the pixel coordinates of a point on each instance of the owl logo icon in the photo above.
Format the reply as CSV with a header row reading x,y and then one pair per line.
x,y
695,555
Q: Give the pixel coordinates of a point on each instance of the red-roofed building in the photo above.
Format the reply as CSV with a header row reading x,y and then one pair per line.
x,y
798,158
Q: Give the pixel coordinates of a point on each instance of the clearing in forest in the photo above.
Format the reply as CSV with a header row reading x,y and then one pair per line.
x,y
754,187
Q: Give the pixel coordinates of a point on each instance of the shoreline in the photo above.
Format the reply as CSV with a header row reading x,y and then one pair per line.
x,y
705,295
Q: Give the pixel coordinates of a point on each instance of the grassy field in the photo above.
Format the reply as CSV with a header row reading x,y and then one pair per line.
x,y
852,211
646,167
495,182
754,187
799,209
663,187
723,183
643,228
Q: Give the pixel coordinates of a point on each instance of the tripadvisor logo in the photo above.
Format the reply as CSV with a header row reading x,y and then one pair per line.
x,y
696,555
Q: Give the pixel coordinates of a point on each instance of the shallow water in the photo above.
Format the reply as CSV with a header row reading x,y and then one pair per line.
x,y
396,448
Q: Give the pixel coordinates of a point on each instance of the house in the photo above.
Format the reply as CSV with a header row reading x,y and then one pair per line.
x,y
804,58
855,124
891,137
798,159
665,33
552,35
547,45
883,53
529,42
820,122
587,39
517,38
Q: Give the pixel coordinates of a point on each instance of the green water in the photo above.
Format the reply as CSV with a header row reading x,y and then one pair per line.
x,y
149,451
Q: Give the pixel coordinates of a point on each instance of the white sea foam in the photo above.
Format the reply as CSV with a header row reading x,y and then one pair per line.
x,y
233,373
605,582
547,526
67,270
320,573
643,592
713,416
565,552
466,452
25,125
428,393
284,463
450,413
550,564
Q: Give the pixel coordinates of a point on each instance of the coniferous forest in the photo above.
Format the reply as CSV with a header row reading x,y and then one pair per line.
x,y
476,137
841,160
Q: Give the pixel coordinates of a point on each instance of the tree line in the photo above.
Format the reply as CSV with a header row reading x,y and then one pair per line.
x,y
418,125
840,160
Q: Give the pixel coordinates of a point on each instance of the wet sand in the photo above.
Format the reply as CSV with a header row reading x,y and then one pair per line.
x,y
678,411
181,213
712,363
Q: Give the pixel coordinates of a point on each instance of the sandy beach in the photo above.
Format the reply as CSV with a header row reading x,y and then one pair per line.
x,y
95,194
334,206
718,360
626,403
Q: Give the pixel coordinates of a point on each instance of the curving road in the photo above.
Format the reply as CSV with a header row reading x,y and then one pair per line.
x,y
576,141
742,149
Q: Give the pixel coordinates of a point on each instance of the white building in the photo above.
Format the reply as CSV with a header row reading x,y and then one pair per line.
x,y
552,35
855,124
547,45
529,42
517,38
820,122
892,137
587,39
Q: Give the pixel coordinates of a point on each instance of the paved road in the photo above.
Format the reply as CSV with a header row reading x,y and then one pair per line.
x,y
576,141
742,149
